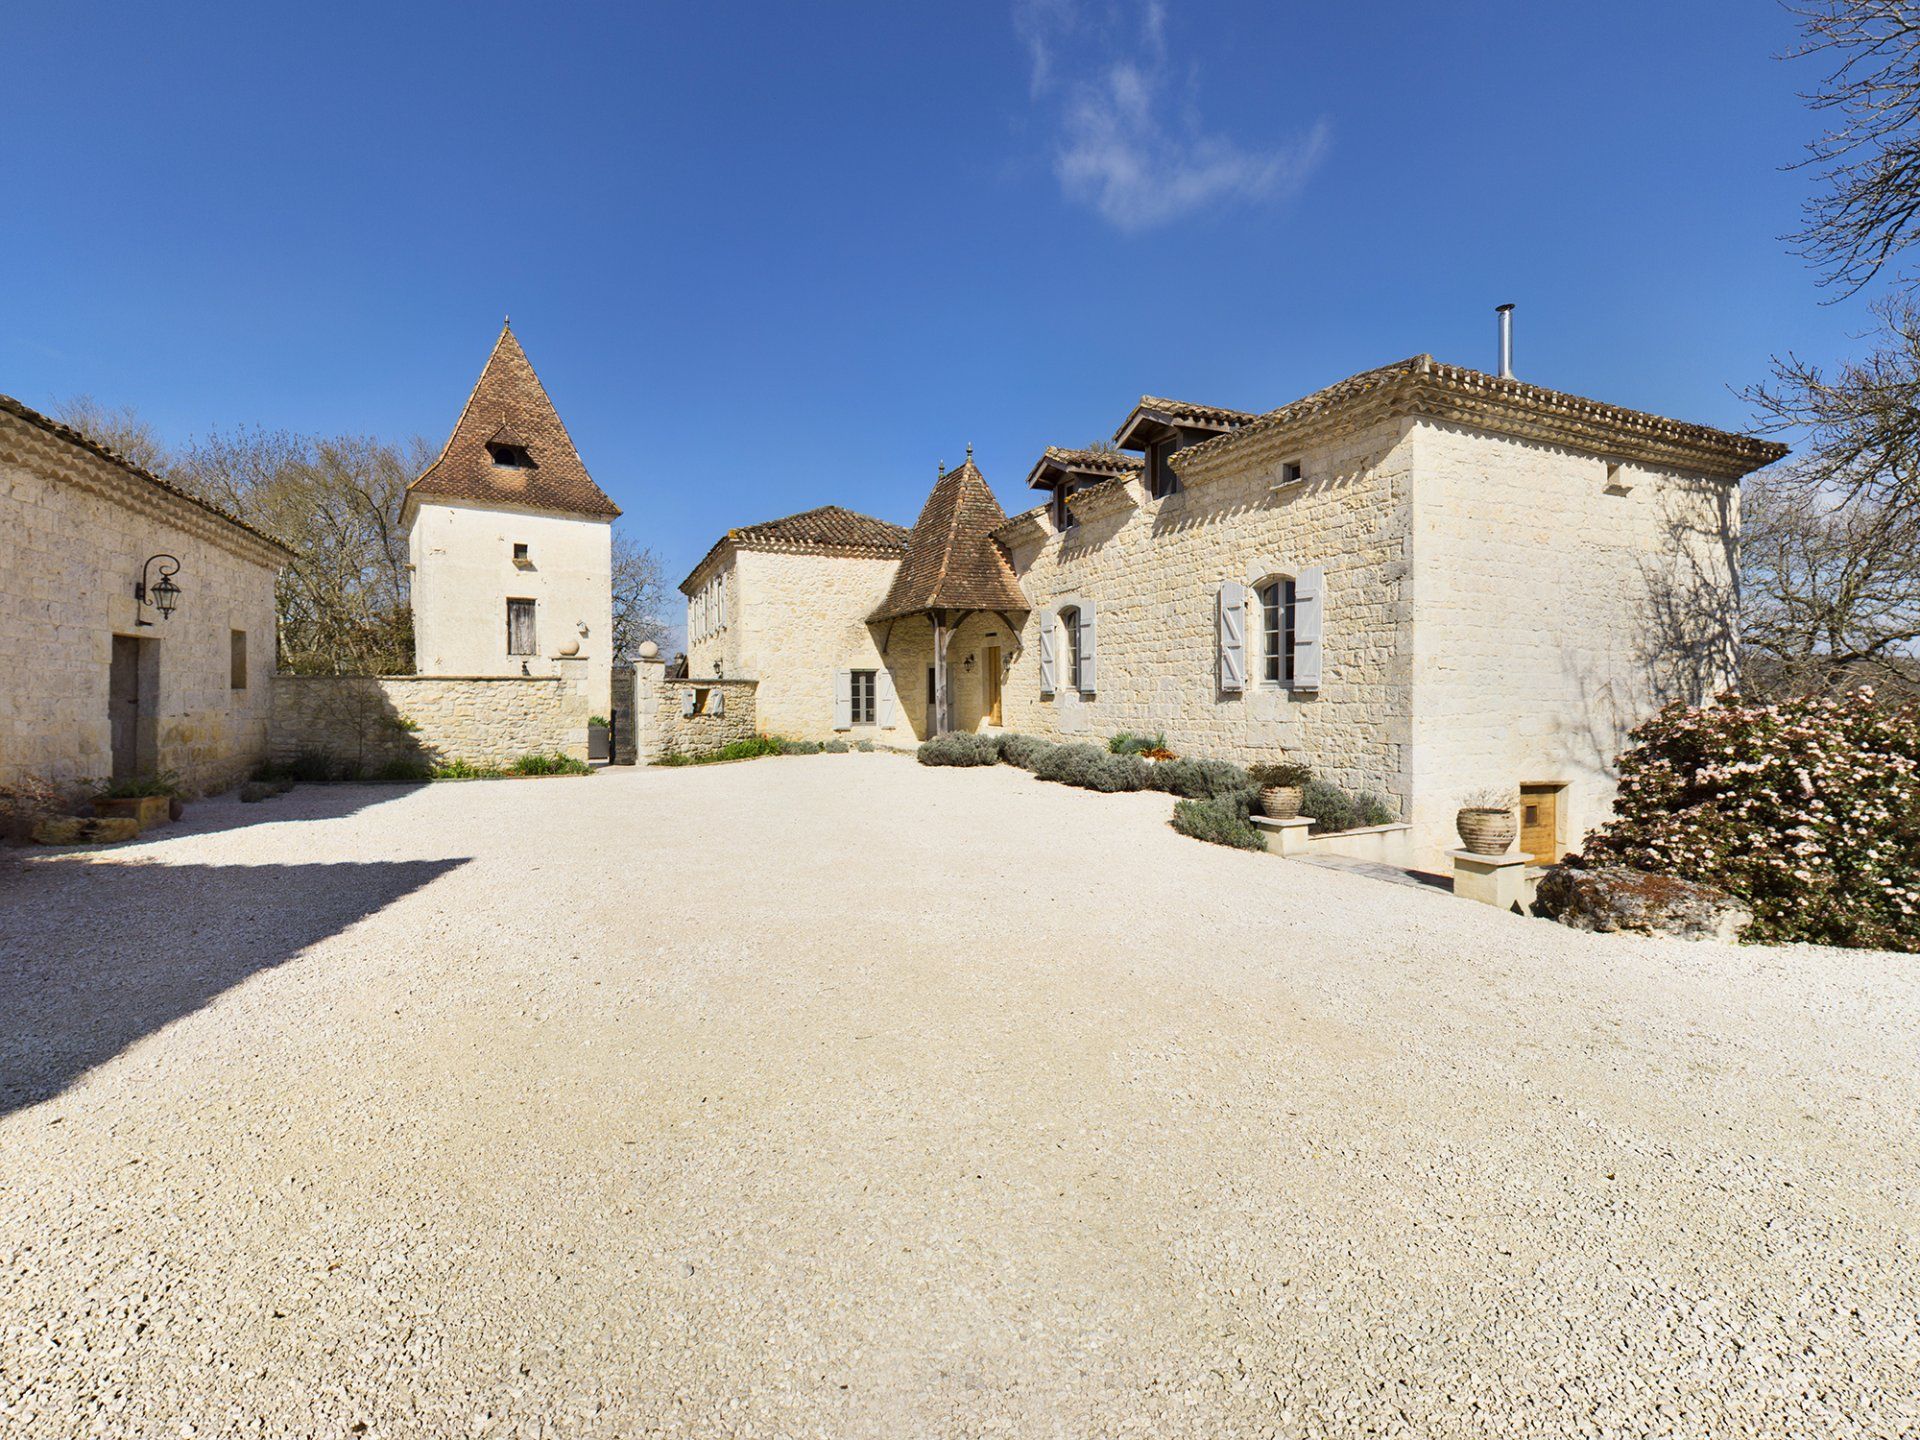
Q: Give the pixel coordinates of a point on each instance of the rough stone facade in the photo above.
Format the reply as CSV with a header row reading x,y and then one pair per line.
x,y
365,722
689,717
76,529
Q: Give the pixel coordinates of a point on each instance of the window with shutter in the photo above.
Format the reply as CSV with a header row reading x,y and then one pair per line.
x,y
843,700
1233,636
1084,679
520,638
888,700
863,698
1046,652
1070,637
1309,612
1278,629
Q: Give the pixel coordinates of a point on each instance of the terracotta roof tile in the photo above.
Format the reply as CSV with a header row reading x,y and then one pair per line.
x,y
509,405
1056,461
952,561
824,530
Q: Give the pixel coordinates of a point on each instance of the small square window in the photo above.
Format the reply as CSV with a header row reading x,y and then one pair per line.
x,y
237,661
1291,473
521,555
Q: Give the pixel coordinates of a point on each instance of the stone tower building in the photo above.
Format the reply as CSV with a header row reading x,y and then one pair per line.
x,y
510,541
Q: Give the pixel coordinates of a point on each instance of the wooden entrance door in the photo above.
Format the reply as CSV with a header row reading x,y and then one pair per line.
x,y
992,680
124,707
1540,822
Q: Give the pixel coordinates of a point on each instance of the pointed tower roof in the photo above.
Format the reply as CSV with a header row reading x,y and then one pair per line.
x,y
952,562
509,446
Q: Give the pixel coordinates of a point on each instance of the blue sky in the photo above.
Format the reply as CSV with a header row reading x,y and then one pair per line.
x,y
769,256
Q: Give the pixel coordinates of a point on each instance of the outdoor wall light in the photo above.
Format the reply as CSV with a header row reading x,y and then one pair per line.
x,y
162,594
967,664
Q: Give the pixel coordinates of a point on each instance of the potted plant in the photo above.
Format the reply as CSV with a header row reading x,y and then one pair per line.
x,y
1280,787
1486,822
599,738
147,800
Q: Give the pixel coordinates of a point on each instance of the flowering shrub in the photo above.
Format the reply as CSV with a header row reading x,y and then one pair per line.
x,y
1809,810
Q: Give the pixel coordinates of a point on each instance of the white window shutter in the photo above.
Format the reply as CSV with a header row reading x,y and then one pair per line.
x,y
1309,606
885,681
843,700
686,703
1233,636
1087,685
1046,652
719,706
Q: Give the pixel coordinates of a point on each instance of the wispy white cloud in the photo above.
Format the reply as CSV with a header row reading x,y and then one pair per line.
x,y
1129,141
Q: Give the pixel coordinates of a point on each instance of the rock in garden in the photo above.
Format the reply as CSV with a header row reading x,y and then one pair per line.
x,y
1612,897
72,830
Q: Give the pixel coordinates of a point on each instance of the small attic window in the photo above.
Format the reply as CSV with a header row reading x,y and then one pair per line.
x,y
521,556
509,455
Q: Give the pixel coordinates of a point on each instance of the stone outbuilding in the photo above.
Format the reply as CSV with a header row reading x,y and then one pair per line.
x,y
1424,581
510,540
137,627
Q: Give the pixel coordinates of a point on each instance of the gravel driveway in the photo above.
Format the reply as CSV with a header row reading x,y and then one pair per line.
x,y
839,1097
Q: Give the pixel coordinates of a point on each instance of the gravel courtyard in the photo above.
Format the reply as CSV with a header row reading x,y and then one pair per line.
x,y
835,1096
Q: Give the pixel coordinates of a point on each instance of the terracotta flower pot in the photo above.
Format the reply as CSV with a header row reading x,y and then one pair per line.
x,y
1280,802
1486,832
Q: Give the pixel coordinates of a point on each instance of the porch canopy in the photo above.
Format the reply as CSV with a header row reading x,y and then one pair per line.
x,y
953,569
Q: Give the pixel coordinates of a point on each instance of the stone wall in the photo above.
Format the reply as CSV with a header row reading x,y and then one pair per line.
x,y
365,722
464,573
1153,570
1562,598
75,531
723,711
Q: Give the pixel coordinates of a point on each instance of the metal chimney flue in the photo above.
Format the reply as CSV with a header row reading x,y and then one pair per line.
x,y
1505,312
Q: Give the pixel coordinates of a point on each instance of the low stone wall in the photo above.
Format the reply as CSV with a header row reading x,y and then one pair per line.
x,y
689,717
365,722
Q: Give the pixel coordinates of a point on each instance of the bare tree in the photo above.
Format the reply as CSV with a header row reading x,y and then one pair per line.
x,y
1868,205
120,428
1831,589
639,597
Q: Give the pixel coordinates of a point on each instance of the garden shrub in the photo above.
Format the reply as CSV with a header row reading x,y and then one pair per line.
x,y
834,747
1023,750
1092,768
1331,808
959,750
1808,810
1221,820
1200,779
400,772
554,764
751,748
315,767
799,747
457,769
1288,773
1126,743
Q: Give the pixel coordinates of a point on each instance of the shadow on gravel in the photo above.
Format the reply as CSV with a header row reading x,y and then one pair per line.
x,y
95,956
330,801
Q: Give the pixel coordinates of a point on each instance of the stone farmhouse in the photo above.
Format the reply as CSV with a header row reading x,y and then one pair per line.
x,y
1423,581
510,541
136,621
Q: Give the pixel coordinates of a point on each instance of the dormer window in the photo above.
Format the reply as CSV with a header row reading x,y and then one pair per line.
x,y
1161,481
1063,520
509,456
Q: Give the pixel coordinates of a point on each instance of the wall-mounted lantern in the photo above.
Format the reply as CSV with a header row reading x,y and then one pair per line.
x,y
968,665
162,594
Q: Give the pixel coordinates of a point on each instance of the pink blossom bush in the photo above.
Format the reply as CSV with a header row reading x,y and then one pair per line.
x,y
1809,810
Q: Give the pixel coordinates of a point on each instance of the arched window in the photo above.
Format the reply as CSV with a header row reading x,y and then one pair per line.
x,y
1070,623
1279,613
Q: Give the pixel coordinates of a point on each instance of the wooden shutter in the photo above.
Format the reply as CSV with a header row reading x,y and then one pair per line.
x,y
688,700
1046,652
1087,685
719,703
520,639
885,681
843,700
1309,605
1233,636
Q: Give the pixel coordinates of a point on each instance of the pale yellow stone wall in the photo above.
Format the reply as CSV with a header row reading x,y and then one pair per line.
x,y
1154,573
464,574
1553,613
723,712
792,622
366,721
75,530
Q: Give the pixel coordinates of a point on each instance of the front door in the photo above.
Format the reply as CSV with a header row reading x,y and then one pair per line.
x,y
992,678
123,706
1540,822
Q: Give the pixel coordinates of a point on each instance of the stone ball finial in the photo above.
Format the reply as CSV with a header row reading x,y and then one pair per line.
x,y
649,650
571,647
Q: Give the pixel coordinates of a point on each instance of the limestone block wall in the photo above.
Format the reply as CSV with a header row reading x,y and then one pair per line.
x,y
75,531
792,622
367,721
464,574
1560,598
723,711
1154,570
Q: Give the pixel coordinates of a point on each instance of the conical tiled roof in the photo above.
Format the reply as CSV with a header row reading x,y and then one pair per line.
x,y
510,406
952,561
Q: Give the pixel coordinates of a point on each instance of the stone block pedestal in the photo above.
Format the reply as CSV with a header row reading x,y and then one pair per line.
x,y
1491,879
1284,837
